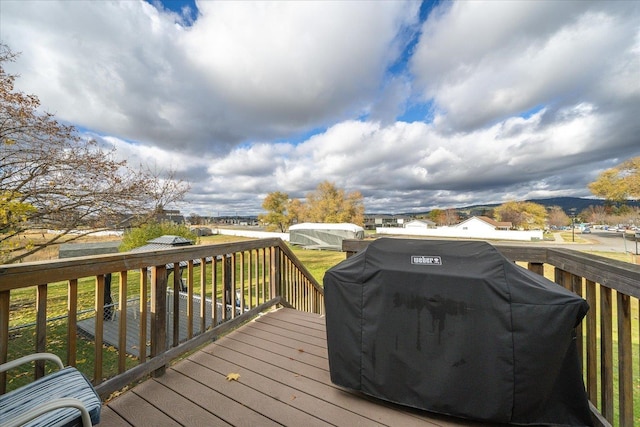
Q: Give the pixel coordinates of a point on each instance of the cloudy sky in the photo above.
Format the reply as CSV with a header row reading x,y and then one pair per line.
x,y
416,105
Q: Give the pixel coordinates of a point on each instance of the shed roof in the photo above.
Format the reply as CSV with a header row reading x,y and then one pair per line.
x,y
326,226
169,239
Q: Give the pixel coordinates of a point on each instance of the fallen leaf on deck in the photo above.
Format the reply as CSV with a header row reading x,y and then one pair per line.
x,y
301,350
233,377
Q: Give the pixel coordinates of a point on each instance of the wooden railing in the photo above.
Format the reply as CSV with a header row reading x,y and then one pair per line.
x,y
605,342
167,303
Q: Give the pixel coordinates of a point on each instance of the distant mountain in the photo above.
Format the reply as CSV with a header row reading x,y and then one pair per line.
x,y
566,203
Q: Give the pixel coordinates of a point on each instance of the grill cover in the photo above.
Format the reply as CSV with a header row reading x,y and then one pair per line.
x,y
455,328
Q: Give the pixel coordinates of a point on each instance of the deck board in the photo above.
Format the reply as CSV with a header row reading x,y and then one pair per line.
x,y
284,380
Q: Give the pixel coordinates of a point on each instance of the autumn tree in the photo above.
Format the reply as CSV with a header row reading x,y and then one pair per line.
x,y
296,212
438,216
331,204
525,215
595,214
326,204
52,178
444,217
277,206
619,183
558,217
451,217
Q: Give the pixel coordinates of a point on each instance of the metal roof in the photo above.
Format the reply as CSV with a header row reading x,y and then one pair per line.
x,y
171,240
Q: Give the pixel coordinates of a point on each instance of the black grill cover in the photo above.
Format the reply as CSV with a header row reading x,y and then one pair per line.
x,y
456,328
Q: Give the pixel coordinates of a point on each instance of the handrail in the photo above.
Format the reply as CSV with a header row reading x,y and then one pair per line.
x,y
611,288
225,285
14,276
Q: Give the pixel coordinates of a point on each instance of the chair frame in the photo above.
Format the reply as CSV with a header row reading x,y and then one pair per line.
x,y
49,406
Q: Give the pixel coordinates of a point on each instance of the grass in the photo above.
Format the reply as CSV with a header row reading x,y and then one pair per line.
x,y
318,262
568,237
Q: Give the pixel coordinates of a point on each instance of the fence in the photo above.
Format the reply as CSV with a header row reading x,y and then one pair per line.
x,y
159,314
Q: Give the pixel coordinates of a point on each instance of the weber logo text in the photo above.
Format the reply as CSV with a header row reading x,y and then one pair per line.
x,y
426,260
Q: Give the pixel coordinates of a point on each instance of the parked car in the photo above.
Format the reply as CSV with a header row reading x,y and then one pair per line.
x,y
586,231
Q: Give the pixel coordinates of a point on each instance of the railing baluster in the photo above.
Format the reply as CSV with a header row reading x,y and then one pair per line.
x,y
41,327
242,266
226,285
592,342
625,360
5,299
190,299
144,286
99,329
264,276
122,325
158,313
250,274
232,297
176,303
558,276
214,291
576,287
536,267
72,321
606,353
274,276
203,295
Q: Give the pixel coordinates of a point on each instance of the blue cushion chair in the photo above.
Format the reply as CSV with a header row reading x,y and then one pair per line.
x,y
64,398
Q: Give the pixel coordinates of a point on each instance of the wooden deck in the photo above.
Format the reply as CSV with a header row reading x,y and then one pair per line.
x,y
281,358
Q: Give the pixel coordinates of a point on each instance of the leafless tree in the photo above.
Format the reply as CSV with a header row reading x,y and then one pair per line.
x,y
52,178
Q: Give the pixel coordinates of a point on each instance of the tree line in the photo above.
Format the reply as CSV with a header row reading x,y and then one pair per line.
x,y
327,204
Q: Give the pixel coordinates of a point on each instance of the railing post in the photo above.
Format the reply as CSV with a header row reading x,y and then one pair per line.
x,y
158,313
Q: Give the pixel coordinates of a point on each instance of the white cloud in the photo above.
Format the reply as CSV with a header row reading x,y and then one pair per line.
x,y
530,99
485,61
242,71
